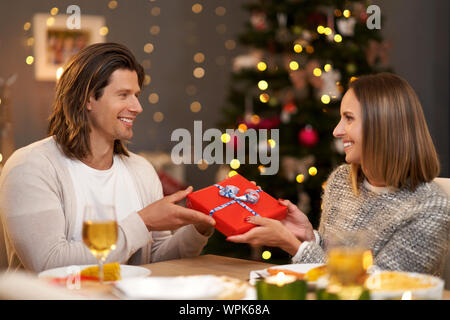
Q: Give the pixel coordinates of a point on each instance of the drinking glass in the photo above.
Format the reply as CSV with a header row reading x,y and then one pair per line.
x,y
100,231
348,259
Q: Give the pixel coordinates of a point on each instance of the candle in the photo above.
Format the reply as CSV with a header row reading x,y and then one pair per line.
x,y
281,287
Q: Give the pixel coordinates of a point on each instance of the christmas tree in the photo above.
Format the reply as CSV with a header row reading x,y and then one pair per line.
x,y
301,56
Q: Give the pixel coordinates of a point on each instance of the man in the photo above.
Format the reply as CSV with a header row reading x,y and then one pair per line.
x,y
45,186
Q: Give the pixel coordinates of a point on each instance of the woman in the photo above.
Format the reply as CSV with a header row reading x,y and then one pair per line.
x,y
386,190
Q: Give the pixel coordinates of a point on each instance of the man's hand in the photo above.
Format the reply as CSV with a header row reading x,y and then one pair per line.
x,y
269,232
164,214
297,222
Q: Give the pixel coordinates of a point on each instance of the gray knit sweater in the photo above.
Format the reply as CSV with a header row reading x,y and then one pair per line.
x,y
406,230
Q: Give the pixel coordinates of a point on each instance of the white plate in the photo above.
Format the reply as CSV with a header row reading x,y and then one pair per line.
x,y
170,288
126,271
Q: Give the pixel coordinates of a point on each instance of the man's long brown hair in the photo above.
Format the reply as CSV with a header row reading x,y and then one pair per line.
x,y
396,145
85,76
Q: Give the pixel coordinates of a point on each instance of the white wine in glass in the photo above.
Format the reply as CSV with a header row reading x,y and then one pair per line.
x,y
100,232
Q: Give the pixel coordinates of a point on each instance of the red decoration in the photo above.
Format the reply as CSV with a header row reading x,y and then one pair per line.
x,y
308,137
290,108
231,219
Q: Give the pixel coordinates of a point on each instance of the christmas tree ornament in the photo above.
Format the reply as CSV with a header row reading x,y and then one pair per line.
x,y
248,61
308,136
346,26
330,86
258,19
286,112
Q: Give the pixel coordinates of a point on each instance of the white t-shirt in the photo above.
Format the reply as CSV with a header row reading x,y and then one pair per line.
x,y
113,186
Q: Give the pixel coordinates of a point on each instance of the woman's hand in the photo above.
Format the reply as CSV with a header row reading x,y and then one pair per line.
x,y
269,232
297,222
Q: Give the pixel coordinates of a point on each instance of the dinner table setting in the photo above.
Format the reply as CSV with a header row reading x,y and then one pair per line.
x,y
214,277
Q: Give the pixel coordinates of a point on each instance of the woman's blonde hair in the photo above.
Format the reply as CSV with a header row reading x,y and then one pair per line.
x,y
396,145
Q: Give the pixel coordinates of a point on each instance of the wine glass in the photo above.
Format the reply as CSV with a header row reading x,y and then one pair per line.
x,y
348,259
100,231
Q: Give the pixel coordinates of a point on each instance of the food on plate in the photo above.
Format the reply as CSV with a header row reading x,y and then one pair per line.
x,y
233,289
396,281
275,271
111,272
316,273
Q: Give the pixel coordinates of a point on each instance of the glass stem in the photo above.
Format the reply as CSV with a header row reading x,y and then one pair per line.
x,y
100,270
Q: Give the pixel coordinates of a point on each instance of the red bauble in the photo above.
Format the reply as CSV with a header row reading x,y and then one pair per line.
x,y
308,137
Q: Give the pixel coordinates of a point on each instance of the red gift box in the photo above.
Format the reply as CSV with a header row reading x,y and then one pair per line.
x,y
230,220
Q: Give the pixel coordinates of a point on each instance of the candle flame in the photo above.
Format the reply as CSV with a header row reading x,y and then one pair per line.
x,y
280,279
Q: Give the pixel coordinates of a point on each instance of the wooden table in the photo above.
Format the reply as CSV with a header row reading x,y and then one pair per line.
x,y
215,265
207,264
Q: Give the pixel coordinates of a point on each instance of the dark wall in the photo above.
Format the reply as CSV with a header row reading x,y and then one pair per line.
x,y
418,30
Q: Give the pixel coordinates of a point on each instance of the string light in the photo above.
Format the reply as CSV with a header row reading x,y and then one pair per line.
x,y
293,65
264,97
153,98
158,116
255,119
156,11
230,44
317,72
103,31
312,171
298,48
27,26
112,4
347,13
54,11
154,30
195,106
300,178
202,164
199,72
225,138
232,173
235,164
272,143
242,127
220,11
262,169
328,31
197,8
327,67
337,38
263,85
147,80
309,49
321,29
148,48
199,57
50,21
266,255
29,60
325,99
262,66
